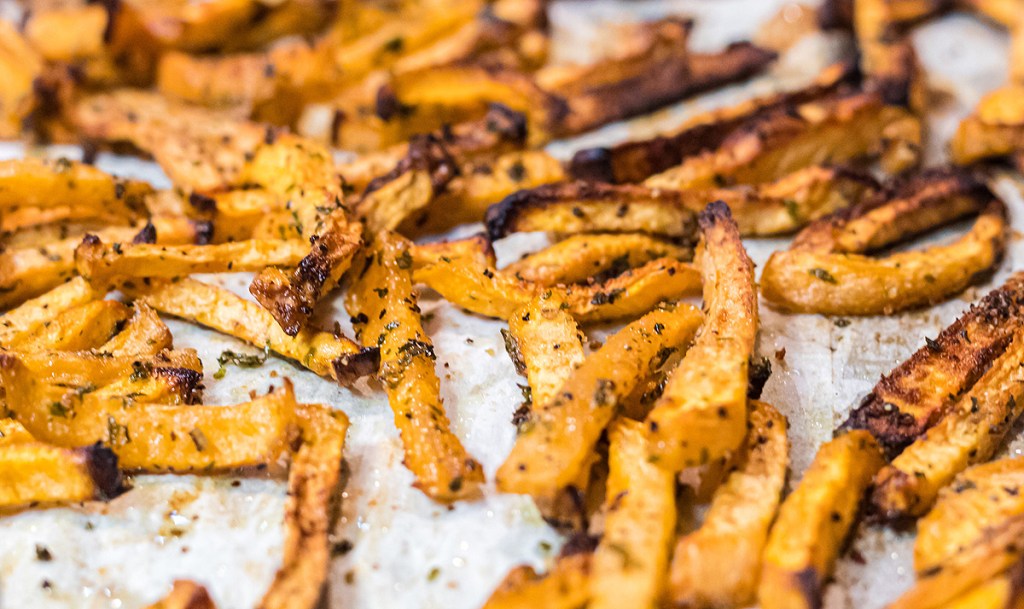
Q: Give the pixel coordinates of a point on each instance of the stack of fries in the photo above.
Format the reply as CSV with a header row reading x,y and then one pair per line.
x,y
449,104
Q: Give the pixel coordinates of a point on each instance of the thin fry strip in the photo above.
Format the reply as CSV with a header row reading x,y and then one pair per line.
x,y
33,472
702,414
719,564
44,184
1004,591
968,434
628,566
84,327
96,368
144,334
545,343
553,445
383,303
564,586
35,312
814,521
328,355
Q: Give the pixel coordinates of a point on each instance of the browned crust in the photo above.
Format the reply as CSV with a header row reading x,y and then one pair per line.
x,y
962,352
426,153
101,463
185,382
636,160
351,367
502,218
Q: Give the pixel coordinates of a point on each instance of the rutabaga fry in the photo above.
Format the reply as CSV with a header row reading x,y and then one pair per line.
x,y
814,521
995,129
545,344
553,445
32,473
20,67
477,249
324,353
34,313
80,328
143,334
583,258
481,289
968,434
96,368
979,498
382,301
719,564
102,265
628,566
1003,591
185,594
564,586
702,413
914,395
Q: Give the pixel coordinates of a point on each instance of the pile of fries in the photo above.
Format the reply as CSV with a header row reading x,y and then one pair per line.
x,y
448,105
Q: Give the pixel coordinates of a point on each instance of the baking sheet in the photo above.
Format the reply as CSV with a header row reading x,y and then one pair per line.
x,y
408,552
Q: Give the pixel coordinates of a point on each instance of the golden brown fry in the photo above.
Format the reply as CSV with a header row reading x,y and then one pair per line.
x,y
580,258
102,265
917,393
13,432
20,66
545,344
553,445
719,565
324,353
32,314
628,566
313,476
32,473
564,586
83,327
702,414
98,368
383,303
185,595
971,431
814,521
478,288
144,334
998,550
476,249
980,497
826,272
996,128
1004,591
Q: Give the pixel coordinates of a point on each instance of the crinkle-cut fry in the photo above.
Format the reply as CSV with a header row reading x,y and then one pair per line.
x,y
292,297
825,271
144,334
409,187
1003,591
477,249
564,586
83,327
719,564
199,149
914,395
789,139
20,66
324,353
103,264
545,343
90,193
553,444
33,472
185,594
156,437
383,303
479,184
629,564
583,258
814,520
97,368
995,129
978,498
34,313
968,434
634,161
996,552
702,413
313,476
483,290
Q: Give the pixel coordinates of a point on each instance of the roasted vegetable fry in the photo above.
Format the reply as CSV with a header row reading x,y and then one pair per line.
x,y
553,445
702,414
34,313
83,327
382,301
1002,591
814,521
581,258
628,566
995,129
564,586
324,353
20,65
98,368
143,334
476,249
998,550
825,271
980,497
917,393
185,595
102,264
481,289
719,564
33,472
545,344
968,434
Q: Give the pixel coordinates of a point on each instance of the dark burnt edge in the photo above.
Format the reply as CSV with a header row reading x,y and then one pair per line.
x,y
618,164
579,543
147,235
759,371
203,230
185,382
426,153
895,430
836,15
505,123
351,367
513,350
283,302
898,520
101,463
716,213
